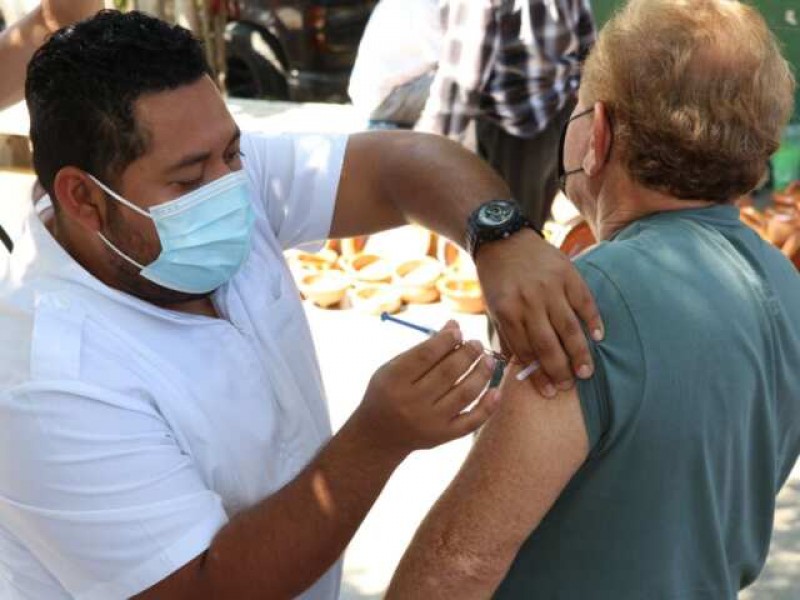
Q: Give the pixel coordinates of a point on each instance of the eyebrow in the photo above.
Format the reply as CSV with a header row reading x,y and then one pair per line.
x,y
201,157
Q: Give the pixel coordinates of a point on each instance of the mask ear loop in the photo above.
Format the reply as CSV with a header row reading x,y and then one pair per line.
x,y
133,207
120,252
562,173
119,198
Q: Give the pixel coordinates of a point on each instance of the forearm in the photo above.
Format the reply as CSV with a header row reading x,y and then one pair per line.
x,y
283,545
460,550
441,570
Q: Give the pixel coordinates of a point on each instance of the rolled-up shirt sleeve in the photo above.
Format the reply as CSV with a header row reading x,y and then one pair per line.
x,y
95,485
611,398
295,179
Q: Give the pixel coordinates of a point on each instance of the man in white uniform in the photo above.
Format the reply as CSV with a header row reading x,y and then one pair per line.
x,y
163,429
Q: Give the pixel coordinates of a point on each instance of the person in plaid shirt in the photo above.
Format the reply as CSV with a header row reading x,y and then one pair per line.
x,y
513,66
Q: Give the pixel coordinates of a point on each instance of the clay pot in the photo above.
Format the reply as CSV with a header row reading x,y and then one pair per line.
x,y
324,259
416,280
324,288
376,299
461,294
788,197
780,225
578,239
455,259
754,219
353,246
368,268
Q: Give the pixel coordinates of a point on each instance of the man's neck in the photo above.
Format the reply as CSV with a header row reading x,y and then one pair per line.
x,y
622,202
203,307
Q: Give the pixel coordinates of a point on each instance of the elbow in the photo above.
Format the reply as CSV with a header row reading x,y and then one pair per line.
x,y
479,573
465,575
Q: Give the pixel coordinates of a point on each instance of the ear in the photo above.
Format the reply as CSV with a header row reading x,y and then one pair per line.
x,y
80,198
599,153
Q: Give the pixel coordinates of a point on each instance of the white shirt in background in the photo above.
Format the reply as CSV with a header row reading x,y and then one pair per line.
x,y
130,434
402,41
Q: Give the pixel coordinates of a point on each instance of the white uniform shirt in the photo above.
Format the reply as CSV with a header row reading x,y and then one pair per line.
x,y
130,434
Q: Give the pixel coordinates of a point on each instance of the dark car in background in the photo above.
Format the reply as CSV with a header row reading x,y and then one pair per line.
x,y
298,50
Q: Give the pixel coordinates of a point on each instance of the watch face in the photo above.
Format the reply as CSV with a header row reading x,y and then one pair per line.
x,y
495,214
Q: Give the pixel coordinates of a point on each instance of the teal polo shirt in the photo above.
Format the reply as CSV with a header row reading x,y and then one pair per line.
x,y
693,418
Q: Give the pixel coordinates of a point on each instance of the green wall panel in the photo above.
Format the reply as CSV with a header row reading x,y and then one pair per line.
x,y
783,17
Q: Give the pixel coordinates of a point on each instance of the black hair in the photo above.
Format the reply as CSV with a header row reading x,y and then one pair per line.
x,y
84,81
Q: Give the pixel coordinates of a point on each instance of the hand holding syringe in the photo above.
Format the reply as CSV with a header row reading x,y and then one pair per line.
x,y
522,375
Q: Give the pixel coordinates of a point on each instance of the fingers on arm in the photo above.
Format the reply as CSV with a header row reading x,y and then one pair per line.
x,y
582,301
573,339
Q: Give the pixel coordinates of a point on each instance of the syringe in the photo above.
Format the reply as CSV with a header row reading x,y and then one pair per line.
x,y
521,376
385,316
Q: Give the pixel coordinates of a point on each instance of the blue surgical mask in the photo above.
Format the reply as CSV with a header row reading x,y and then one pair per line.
x,y
205,235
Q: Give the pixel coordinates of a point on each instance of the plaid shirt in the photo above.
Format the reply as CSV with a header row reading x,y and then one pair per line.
x,y
516,62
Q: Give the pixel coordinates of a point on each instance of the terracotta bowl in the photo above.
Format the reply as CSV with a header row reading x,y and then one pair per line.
x,y
368,268
416,280
578,239
324,288
352,246
376,299
325,259
788,197
461,294
454,258
755,220
780,225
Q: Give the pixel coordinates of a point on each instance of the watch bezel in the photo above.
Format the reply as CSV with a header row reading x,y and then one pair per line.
x,y
478,233
481,218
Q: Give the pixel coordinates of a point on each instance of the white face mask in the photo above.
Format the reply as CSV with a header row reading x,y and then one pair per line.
x,y
204,235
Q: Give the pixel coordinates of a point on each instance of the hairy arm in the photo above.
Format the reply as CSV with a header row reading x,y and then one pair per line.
x,y
20,41
521,462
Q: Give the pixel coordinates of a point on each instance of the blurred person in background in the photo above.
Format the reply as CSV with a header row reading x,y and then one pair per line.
x,y
396,62
512,67
21,39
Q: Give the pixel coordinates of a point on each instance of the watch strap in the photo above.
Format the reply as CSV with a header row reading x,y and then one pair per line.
x,y
477,236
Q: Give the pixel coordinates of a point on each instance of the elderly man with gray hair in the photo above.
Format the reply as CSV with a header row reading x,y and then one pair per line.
x,y
656,478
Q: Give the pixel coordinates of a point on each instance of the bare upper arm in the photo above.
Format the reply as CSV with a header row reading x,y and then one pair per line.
x,y
520,464
361,206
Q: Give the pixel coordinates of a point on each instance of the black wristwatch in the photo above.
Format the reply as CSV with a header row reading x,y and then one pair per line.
x,y
495,220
